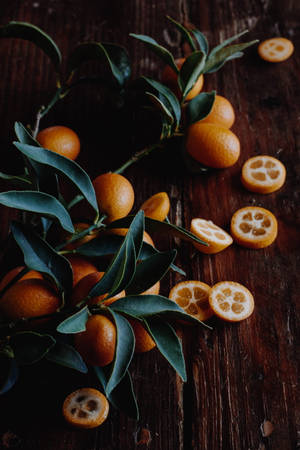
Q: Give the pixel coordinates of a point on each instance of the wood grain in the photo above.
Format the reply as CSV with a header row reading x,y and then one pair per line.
x,y
239,375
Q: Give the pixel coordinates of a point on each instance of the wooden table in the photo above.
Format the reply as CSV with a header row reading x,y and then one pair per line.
x,y
242,378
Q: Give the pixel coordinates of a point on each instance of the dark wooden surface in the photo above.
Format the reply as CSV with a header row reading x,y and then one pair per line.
x,y
239,375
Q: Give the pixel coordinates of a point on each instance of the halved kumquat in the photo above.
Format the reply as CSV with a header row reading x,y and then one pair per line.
x,y
85,408
263,174
157,207
231,301
275,49
192,297
216,238
254,227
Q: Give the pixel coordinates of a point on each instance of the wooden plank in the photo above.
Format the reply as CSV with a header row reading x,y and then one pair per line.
x,y
239,375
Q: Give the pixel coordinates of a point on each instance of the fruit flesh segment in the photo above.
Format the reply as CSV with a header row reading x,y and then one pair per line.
x,y
263,174
231,301
276,49
254,224
192,296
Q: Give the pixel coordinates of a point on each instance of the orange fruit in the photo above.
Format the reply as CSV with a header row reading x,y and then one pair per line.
x,y
85,408
29,298
98,342
206,230
143,340
222,113
157,206
123,231
192,297
275,49
263,174
83,287
212,145
253,227
14,272
60,140
231,301
79,227
169,77
115,195
81,267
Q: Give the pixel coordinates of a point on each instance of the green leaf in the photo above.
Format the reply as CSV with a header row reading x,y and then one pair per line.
x,y
30,347
153,225
32,33
24,136
219,58
200,106
11,377
168,96
160,51
40,203
167,343
40,256
64,165
202,41
122,397
124,351
66,355
145,305
18,180
149,271
75,323
190,71
136,231
226,42
186,36
167,115
114,55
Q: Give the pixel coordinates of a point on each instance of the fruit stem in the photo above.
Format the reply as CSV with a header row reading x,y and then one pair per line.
x,y
137,156
45,109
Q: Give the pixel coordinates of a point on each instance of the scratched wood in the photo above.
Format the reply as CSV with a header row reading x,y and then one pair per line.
x,y
242,378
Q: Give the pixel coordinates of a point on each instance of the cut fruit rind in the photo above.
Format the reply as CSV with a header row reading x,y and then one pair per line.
x,y
254,227
231,301
263,174
192,297
85,408
215,236
275,49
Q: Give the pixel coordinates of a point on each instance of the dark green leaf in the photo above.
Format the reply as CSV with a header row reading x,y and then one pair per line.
x,y
153,225
160,51
168,95
122,397
24,135
136,231
114,55
11,377
40,256
200,106
75,323
184,33
190,71
217,59
29,347
144,305
40,203
167,343
64,165
29,32
124,351
149,271
18,180
202,41
161,107
226,42
66,355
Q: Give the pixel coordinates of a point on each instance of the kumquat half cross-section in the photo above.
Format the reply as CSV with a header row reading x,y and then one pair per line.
x,y
85,408
231,301
263,174
216,238
254,227
192,296
275,49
